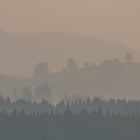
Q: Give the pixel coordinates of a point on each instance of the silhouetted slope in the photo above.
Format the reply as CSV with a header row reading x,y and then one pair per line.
x,y
61,46
112,78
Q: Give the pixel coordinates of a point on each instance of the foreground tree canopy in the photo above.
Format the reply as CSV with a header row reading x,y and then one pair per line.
x,y
69,126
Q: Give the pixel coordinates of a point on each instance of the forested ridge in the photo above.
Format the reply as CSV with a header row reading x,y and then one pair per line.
x,y
76,105
69,126
78,119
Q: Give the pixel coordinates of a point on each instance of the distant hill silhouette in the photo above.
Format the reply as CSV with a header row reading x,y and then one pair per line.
x,y
62,46
110,79
113,78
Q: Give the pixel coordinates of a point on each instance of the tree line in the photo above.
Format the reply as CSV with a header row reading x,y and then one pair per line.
x,y
69,126
76,104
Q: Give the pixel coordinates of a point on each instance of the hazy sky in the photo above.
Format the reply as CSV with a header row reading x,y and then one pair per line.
x,y
108,19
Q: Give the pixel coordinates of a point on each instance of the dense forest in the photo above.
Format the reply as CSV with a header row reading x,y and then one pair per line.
x,y
69,126
77,104
72,118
